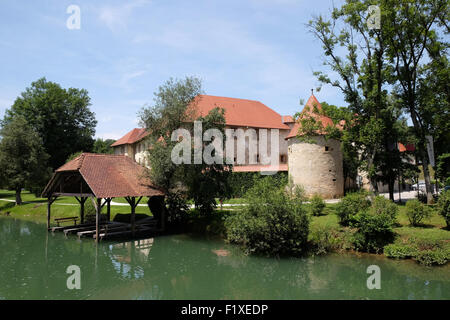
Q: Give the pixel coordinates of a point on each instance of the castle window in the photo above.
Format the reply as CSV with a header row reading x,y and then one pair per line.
x,y
283,158
327,148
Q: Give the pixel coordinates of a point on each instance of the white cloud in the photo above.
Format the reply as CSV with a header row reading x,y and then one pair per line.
x,y
117,17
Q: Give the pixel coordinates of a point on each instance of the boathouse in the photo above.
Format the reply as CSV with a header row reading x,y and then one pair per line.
x,y
103,177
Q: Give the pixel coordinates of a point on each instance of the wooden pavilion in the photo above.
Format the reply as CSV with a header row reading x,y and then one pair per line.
x,y
102,177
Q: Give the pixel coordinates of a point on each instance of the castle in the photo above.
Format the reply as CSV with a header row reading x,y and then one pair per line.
x,y
317,167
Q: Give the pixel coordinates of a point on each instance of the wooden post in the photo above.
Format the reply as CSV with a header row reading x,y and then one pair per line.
x,y
81,201
108,209
50,200
49,204
133,204
133,214
97,217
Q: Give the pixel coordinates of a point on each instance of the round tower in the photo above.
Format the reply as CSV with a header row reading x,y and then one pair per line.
x,y
316,166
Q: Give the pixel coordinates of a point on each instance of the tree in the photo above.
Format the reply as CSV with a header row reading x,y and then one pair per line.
x,y
174,109
23,160
61,117
362,75
412,29
103,146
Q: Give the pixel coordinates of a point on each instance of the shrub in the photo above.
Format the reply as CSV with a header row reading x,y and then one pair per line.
x,y
437,256
417,211
443,206
399,251
325,239
317,205
89,211
375,225
350,205
177,208
272,223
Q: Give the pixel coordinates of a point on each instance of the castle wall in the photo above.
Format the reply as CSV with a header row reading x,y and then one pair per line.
x,y
317,167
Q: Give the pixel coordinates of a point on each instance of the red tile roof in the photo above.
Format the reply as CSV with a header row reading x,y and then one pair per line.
x,y
309,109
131,137
240,112
288,119
409,147
110,176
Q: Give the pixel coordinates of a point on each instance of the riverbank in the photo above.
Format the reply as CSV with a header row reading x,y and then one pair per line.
x,y
427,244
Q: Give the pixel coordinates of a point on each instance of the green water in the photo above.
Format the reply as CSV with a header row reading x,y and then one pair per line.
x,y
33,265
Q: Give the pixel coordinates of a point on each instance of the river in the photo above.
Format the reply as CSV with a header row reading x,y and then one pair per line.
x,y
33,265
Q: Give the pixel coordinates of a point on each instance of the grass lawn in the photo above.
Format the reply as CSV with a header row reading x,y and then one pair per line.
x,y
36,210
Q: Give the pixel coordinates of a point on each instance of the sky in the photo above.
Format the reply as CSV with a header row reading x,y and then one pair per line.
x,y
124,50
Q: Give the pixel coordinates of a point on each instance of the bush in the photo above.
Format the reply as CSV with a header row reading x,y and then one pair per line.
x,y
272,223
375,225
417,211
89,211
317,205
443,206
350,205
399,251
325,239
177,208
437,256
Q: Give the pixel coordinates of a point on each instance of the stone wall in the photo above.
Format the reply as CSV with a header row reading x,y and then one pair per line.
x,y
318,167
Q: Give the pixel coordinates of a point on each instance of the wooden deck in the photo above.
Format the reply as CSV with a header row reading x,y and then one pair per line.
x,y
110,230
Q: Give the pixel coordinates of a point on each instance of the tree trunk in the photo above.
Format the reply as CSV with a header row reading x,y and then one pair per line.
x,y
426,176
391,188
18,196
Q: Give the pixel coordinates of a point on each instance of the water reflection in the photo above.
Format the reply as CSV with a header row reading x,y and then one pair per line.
x,y
33,265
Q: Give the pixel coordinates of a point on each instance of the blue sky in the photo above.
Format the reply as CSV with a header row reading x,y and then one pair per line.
x,y
255,49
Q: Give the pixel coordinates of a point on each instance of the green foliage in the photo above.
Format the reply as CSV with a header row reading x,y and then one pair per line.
x,y
375,225
350,205
400,251
324,239
417,211
89,211
271,224
443,206
317,205
174,109
431,257
61,117
103,146
177,208
23,160
240,182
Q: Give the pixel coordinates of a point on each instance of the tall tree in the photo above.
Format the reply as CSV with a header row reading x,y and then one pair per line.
x,y
174,109
23,160
61,117
355,53
412,29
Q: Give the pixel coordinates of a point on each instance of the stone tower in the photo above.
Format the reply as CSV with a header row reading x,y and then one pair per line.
x,y
318,166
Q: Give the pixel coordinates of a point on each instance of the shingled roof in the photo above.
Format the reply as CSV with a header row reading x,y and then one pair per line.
x,y
240,112
131,137
314,109
107,176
